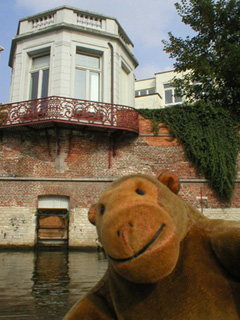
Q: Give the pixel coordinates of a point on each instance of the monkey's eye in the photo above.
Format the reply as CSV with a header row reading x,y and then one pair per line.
x,y
102,209
140,191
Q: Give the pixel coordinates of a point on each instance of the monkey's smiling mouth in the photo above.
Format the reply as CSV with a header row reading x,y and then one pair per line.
x,y
143,249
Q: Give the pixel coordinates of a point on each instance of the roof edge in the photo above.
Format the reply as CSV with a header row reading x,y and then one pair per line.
x,y
53,10
77,10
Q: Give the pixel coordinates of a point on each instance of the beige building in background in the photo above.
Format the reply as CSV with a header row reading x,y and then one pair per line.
x,y
157,92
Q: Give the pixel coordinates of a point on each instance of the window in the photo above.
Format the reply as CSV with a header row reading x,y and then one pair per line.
x,y
151,91
87,77
145,92
39,77
170,94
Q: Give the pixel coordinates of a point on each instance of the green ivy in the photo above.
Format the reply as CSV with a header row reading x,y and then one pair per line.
x,y
210,140
155,115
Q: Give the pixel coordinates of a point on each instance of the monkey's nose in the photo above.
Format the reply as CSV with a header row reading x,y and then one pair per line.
x,y
119,232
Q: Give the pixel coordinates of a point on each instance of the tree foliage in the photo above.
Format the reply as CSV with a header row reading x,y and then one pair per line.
x,y
211,56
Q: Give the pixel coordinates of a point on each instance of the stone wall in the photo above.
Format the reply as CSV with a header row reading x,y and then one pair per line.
x,y
18,222
226,214
81,231
17,226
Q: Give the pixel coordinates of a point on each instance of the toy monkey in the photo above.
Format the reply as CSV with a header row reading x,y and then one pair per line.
x,y
166,260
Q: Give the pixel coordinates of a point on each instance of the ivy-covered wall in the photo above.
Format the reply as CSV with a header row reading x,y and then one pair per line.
x,y
210,140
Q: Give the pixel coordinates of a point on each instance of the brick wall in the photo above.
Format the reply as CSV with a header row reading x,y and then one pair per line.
x,y
78,164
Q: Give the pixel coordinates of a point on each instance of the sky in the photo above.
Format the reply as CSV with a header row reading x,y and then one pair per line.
x,y
146,22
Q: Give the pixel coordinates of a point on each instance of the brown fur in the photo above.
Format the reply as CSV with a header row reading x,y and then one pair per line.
x,y
166,260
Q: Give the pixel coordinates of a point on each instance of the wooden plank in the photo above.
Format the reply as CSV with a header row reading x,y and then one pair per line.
x,y
52,222
52,234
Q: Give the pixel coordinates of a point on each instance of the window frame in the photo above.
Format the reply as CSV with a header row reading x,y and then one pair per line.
x,y
170,87
88,70
40,70
138,93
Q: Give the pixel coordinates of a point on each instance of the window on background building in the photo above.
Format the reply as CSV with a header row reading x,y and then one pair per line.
x,y
87,77
170,94
39,77
145,92
151,91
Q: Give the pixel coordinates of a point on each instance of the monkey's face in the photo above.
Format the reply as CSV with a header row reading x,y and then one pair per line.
x,y
139,236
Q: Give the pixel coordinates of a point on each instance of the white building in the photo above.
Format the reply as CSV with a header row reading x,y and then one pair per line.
x,y
72,76
157,92
72,53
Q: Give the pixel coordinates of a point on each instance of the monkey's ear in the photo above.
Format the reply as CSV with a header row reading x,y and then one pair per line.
x,y
91,214
170,180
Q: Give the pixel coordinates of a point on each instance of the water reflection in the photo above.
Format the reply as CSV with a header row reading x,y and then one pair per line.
x,y
50,283
45,284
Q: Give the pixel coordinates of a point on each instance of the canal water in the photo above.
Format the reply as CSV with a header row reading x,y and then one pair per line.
x,y
44,285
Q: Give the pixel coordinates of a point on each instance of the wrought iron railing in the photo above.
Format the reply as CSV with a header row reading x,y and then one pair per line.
x,y
68,110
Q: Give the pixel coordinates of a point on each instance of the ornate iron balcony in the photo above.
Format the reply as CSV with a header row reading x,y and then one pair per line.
x,y
70,113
